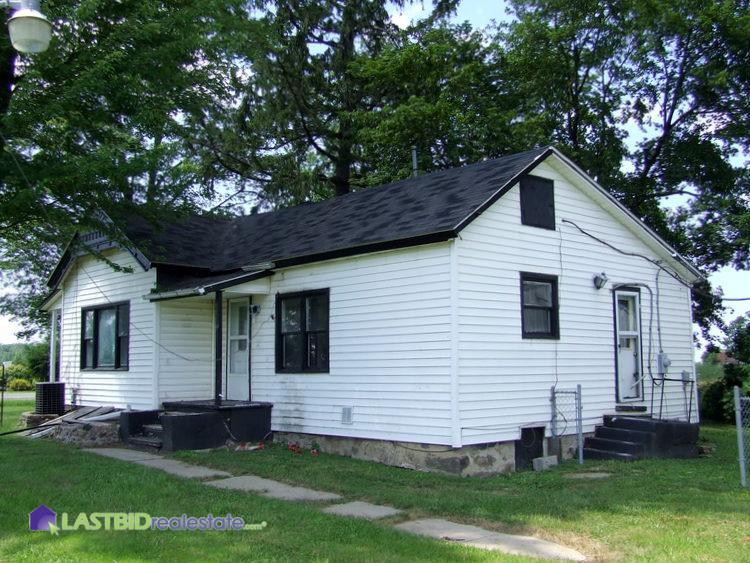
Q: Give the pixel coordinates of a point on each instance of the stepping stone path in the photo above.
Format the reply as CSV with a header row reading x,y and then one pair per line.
x,y
358,509
485,539
588,475
272,489
472,536
171,466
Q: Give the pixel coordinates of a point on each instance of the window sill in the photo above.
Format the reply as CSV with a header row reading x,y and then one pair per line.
x,y
541,337
104,369
300,372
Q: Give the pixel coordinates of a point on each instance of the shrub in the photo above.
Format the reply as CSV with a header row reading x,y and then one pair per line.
x,y
17,371
712,401
20,384
717,397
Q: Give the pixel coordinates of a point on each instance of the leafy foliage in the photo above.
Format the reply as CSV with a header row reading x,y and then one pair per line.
x,y
192,106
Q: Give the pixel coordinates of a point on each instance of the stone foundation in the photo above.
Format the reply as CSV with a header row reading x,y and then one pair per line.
x,y
88,434
474,461
478,460
29,419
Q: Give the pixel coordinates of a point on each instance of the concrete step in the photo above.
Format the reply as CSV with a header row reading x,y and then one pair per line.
x,y
153,430
623,434
631,423
145,443
619,446
593,453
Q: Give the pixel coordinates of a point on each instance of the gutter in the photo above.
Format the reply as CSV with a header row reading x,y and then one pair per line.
x,y
207,288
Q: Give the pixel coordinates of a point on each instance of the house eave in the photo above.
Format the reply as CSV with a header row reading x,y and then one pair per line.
x,y
202,289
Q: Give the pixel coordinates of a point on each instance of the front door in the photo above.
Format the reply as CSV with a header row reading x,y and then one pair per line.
x,y
238,350
628,335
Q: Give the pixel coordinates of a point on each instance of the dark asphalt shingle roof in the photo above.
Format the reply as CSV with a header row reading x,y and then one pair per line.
x,y
416,207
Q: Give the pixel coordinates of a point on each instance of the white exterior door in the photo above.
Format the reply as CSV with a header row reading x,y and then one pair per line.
x,y
238,350
628,334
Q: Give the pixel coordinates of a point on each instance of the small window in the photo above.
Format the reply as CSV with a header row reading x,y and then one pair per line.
x,y
105,337
538,202
539,306
302,332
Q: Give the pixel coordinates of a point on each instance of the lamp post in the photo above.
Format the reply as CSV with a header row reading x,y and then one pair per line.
x,y
30,31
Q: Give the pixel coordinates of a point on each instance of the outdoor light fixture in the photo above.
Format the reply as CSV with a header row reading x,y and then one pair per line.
x,y
600,280
30,31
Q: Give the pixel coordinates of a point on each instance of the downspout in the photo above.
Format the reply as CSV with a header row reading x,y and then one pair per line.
x,y
456,438
218,321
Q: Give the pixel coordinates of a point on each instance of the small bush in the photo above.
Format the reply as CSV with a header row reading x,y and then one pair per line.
x,y
712,401
20,384
717,397
17,371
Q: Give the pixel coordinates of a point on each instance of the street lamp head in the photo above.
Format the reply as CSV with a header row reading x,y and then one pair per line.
x,y
30,31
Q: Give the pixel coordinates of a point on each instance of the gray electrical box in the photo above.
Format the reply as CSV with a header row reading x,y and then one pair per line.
x,y
663,362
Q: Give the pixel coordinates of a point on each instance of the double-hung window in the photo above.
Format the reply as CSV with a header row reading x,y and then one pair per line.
x,y
302,332
105,336
539,306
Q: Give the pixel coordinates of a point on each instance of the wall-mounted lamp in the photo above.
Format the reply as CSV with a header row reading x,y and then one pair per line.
x,y
600,280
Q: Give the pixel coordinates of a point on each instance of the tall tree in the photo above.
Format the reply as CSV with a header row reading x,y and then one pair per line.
x,y
99,121
294,133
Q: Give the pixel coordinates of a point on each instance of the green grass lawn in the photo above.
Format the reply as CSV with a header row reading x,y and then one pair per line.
x,y
657,510
68,480
652,510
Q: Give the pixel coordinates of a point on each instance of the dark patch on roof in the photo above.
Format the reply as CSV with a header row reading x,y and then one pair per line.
x,y
418,208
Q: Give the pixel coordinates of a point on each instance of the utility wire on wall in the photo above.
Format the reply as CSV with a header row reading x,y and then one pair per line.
x,y
655,262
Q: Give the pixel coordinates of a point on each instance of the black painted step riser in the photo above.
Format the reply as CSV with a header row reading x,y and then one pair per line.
x,y
630,423
623,434
616,446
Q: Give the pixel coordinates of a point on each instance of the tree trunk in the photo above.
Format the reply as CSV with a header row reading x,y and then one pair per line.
x,y
345,54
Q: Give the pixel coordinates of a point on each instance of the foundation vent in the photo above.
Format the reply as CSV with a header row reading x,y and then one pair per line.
x,y
346,415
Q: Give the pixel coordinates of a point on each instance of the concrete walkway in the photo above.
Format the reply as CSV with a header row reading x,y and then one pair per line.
x,y
272,489
444,530
485,539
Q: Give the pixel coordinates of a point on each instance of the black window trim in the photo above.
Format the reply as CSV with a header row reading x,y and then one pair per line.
x,y
554,312
529,222
116,306
303,322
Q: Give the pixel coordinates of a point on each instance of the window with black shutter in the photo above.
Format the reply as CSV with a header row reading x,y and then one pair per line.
x,y
302,332
538,202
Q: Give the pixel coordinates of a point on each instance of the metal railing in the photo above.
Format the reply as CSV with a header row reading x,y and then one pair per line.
x,y
567,416
660,383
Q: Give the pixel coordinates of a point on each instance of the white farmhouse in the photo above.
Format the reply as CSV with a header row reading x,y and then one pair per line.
x,y
425,323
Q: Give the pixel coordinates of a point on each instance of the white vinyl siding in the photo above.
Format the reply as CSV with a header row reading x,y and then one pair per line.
x,y
185,356
91,282
505,379
389,348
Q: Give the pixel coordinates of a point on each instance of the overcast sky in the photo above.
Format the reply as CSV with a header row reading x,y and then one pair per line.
x,y
481,13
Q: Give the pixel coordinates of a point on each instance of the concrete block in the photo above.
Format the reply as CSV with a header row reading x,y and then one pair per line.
x,y
544,463
358,509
